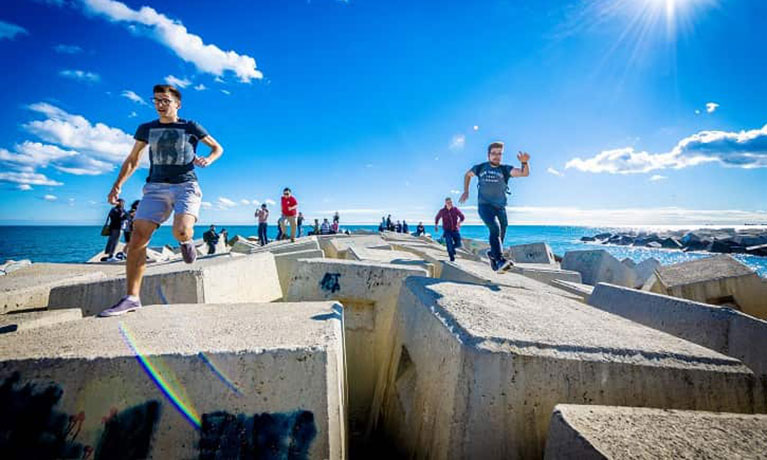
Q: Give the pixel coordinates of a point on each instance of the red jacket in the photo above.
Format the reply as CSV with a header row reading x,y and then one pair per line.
x,y
451,218
289,202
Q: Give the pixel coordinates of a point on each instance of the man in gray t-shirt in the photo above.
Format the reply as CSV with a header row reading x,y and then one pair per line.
x,y
492,182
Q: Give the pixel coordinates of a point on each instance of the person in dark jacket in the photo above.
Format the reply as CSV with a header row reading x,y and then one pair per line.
x,y
211,239
451,223
116,217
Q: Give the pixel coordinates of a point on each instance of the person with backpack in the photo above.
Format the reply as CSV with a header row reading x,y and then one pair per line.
x,y
493,186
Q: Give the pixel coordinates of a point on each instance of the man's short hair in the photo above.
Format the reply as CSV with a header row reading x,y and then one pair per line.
x,y
168,89
448,198
263,205
495,145
286,189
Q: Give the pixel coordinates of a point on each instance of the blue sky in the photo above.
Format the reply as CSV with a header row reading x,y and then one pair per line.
x,y
633,111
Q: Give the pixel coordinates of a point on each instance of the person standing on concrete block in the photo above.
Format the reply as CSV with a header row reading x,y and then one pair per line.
x,y
452,218
116,217
171,186
211,239
263,215
289,211
300,222
493,186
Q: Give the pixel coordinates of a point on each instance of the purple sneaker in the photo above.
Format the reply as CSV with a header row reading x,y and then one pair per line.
x,y
122,307
188,252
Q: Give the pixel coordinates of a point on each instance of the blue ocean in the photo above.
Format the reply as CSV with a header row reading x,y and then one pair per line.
x,y
80,243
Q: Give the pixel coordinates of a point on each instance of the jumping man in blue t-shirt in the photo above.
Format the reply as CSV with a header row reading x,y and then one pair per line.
x,y
171,186
493,178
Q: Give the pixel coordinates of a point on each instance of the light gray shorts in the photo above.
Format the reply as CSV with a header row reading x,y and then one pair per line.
x,y
160,199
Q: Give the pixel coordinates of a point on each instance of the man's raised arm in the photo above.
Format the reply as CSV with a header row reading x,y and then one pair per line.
x,y
524,171
466,182
128,168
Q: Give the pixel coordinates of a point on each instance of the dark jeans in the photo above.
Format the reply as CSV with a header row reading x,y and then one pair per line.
x,y
262,233
114,237
211,248
452,241
496,221
300,230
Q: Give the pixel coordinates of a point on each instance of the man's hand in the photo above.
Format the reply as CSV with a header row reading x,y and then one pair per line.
x,y
436,229
523,157
202,161
114,194
463,197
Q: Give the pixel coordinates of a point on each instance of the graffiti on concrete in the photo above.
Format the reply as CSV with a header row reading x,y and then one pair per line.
x,y
330,282
31,427
263,436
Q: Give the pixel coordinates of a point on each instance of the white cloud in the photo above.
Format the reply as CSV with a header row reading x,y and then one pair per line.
x,y
9,31
225,203
179,82
200,87
80,75
554,172
132,115
743,149
245,202
31,155
68,49
711,107
455,192
133,97
50,198
75,132
458,142
226,92
697,111
269,202
657,177
27,177
255,202
24,187
207,58
206,204
353,211
476,128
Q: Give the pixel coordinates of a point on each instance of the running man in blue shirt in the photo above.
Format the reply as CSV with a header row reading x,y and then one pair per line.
x,y
171,186
492,182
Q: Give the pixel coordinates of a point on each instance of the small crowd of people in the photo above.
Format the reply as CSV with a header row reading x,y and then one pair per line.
x,y
172,188
119,221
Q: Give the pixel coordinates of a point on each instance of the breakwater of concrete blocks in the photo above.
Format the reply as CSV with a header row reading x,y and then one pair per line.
x,y
375,345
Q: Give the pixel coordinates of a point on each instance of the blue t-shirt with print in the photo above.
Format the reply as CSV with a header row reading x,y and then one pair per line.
x,y
172,148
491,183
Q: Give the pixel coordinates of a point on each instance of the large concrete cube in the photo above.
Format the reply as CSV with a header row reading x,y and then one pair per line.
x,y
368,292
479,369
599,266
335,248
30,287
533,253
604,432
225,278
286,262
388,256
181,381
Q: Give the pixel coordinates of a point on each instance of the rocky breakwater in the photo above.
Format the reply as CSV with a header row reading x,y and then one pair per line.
x,y
752,241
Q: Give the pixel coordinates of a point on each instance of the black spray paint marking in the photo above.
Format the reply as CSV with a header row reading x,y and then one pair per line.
x,y
129,433
330,282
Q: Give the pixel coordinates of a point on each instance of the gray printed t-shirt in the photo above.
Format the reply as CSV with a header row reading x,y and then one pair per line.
x,y
172,147
492,187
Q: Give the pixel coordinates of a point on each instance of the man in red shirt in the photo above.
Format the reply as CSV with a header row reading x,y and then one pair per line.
x,y
289,211
451,223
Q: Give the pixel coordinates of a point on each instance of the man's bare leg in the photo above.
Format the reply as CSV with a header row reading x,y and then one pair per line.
x,y
142,233
183,227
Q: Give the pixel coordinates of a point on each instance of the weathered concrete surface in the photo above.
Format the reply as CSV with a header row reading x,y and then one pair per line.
x,y
368,292
718,280
277,247
533,253
217,279
97,258
286,262
434,253
30,287
250,380
581,290
389,257
335,248
644,270
468,271
599,266
720,329
477,370
546,273
33,319
605,432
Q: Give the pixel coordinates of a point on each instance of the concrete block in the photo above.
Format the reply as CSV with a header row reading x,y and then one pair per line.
x,y
215,279
30,287
368,292
11,266
598,266
546,273
533,253
30,320
581,290
477,370
718,280
608,432
389,257
335,248
644,270
467,271
628,262
307,243
286,261
181,381
721,329
243,246
97,258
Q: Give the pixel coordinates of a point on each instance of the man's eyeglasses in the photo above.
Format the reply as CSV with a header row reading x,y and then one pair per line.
x,y
161,101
